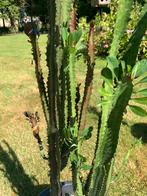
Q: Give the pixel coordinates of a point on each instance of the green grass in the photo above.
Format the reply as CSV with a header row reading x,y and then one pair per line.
x,y
22,171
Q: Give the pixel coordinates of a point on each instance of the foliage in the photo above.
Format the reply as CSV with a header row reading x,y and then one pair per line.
x,y
8,9
106,26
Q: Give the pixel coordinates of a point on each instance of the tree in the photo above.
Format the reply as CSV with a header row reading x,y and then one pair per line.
x,y
9,9
36,8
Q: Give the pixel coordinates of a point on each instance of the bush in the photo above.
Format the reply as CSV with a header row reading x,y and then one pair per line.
x,y
106,26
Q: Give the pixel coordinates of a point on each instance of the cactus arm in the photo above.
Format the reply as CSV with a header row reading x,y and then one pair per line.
x,y
62,80
120,26
60,60
67,79
66,9
39,77
73,123
135,40
51,64
73,18
109,138
123,15
52,84
89,78
72,58
63,19
30,29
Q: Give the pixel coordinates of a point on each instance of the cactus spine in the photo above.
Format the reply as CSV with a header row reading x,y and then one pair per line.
x,y
125,7
53,135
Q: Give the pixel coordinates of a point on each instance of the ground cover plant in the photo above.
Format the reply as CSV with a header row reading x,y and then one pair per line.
x,y
113,82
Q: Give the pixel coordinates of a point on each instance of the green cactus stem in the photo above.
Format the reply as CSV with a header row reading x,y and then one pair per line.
x,y
53,135
123,15
108,138
135,40
89,77
30,29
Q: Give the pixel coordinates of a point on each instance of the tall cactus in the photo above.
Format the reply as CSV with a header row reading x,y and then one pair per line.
x,y
89,76
32,32
124,11
113,107
108,141
60,98
119,88
52,97
56,51
54,137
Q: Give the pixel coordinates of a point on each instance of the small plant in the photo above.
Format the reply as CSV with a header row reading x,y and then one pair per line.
x,y
65,119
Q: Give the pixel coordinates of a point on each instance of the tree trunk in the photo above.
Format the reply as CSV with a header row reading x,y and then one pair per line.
x,y
12,22
4,25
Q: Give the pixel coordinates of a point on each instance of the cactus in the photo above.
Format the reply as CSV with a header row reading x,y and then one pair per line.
x,y
124,11
115,97
61,96
108,138
133,45
32,32
89,77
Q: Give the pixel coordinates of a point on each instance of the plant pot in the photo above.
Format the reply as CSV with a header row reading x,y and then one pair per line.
x,y
66,188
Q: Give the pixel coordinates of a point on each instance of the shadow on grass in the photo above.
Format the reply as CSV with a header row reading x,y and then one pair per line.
x,y
139,130
21,183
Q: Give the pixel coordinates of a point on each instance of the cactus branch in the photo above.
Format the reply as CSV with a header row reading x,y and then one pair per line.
x,y
38,71
109,138
89,78
53,137
135,40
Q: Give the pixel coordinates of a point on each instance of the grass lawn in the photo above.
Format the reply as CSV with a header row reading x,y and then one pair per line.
x,y
22,171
